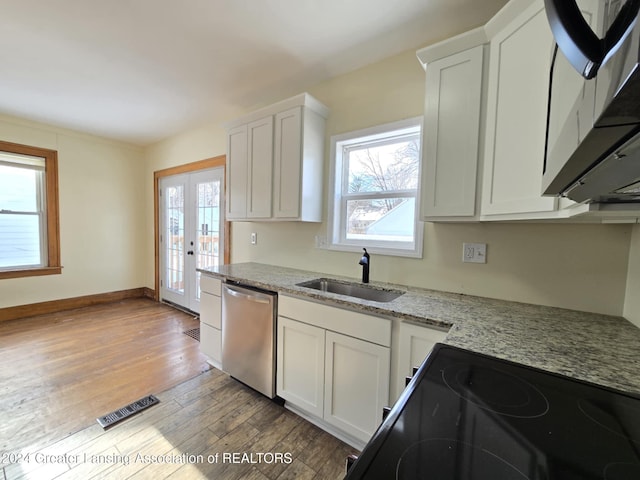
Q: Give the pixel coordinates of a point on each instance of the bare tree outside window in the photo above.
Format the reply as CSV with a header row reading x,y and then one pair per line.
x,y
387,168
374,195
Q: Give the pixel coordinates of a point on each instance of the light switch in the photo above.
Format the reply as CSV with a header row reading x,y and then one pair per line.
x,y
474,252
254,238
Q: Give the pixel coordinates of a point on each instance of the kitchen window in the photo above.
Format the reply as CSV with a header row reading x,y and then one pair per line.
x,y
29,231
375,190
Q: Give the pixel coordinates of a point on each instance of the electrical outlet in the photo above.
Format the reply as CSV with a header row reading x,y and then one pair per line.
x,y
254,238
474,252
321,241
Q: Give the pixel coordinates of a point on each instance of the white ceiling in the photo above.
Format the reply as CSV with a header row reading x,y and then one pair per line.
x,y
141,70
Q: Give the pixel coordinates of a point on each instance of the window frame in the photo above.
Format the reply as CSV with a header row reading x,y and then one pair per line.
x,y
336,225
52,224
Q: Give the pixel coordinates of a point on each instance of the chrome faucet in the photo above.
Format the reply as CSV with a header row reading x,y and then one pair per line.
x,y
365,261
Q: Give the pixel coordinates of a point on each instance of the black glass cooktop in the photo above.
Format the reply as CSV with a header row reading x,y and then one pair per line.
x,y
467,416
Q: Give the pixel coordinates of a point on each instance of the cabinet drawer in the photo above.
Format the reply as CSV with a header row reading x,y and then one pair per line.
x,y
211,342
211,310
210,284
355,324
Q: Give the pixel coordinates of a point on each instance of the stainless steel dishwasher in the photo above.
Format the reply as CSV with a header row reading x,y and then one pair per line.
x,y
248,336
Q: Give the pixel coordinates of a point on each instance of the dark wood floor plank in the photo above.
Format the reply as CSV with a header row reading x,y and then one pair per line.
x,y
334,467
296,442
255,474
297,471
193,446
234,441
320,451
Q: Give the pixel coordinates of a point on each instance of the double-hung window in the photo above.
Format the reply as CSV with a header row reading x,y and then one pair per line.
x,y
376,178
29,232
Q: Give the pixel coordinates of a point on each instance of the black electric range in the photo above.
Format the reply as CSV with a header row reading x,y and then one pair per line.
x,y
468,416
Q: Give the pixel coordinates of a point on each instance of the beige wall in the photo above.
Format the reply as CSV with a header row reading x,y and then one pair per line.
x,y
106,210
199,144
533,263
632,298
101,215
582,267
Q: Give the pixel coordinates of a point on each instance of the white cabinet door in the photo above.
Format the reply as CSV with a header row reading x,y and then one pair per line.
x,y
211,309
414,343
249,170
211,343
451,135
275,159
520,59
356,384
211,319
260,168
300,365
287,172
237,172
211,285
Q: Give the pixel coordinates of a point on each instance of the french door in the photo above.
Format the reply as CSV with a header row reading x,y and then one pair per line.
x,y
191,233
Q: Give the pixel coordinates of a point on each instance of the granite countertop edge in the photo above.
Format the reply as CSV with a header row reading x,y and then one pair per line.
x,y
591,347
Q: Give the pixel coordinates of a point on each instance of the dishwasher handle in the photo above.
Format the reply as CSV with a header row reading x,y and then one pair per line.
x,y
245,294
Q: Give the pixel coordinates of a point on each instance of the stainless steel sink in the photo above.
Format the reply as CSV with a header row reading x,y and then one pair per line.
x,y
357,290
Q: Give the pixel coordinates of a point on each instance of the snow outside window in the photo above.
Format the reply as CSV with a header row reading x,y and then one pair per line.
x,y
375,191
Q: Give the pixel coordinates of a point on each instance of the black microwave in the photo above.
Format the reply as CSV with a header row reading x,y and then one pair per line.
x,y
592,149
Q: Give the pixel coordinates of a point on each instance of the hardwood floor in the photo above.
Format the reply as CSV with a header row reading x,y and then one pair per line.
x,y
60,371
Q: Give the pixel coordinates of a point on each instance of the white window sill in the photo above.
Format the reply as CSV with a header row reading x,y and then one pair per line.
x,y
376,250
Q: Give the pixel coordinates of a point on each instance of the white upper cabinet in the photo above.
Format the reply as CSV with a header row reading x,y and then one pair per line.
x,y
518,87
288,167
298,164
250,155
260,168
485,122
275,162
237,172
453,99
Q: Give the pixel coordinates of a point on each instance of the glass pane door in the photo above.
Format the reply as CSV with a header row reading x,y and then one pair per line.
x,y
173,238
208,223
192,233
208,226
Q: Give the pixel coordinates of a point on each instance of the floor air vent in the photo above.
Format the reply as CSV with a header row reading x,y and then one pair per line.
x,y
124,412
193,333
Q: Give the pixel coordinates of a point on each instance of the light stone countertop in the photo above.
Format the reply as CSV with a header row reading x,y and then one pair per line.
x,y
597,348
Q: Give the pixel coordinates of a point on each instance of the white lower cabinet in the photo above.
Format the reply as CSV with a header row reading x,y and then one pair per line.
x,y
211,319
211,343
327,374
300,360
414,342
211,309
356,384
